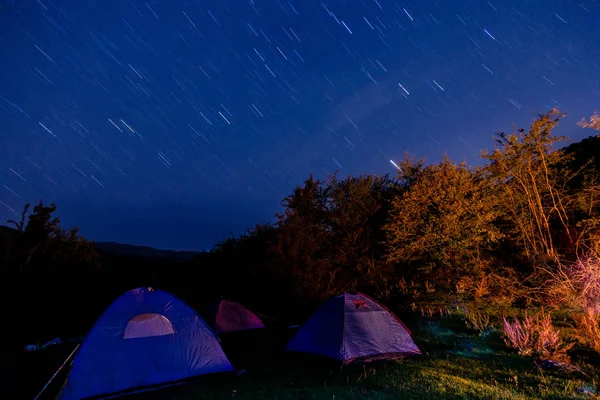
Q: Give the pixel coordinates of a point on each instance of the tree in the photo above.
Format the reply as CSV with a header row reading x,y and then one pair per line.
x,y
240,268
524,168
20,225
441,226
586,187
550,197
52,276
358,209
45,247
302,247
329,238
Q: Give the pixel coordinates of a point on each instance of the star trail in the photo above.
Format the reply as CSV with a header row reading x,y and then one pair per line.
x,y
174,123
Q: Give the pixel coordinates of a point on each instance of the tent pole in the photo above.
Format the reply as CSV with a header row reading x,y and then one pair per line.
x,y
56,373
264,316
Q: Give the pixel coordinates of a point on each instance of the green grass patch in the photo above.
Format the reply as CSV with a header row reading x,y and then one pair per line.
x,y
449,377
457,364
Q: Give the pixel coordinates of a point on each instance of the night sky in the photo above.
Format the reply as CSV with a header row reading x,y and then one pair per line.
x,y
173,123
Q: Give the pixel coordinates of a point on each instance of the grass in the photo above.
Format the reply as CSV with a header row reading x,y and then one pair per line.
x,y
451,377
457,363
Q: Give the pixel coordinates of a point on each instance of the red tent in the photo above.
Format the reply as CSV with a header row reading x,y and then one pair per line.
x,y
229,316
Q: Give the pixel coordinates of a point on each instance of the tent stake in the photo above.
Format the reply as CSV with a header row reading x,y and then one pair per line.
x,y
56,373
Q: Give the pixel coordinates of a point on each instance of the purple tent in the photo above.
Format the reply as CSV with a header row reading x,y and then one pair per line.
x,y
229,316
144,338
354,328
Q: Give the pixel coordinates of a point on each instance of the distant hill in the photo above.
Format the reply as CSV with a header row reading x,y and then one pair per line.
x,y
582,152
7,235
130,250
6,230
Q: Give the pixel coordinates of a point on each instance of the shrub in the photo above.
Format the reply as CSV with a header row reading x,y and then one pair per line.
x,y
534,335
586,276
580,282
578,286
479,321
587,323
500,288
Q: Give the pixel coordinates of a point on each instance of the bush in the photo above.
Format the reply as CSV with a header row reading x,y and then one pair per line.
x,y
534,335
586,276
582,279
587,323
479,321
578,286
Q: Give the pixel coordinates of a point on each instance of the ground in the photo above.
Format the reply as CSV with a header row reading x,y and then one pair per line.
x,y
457,364
453,377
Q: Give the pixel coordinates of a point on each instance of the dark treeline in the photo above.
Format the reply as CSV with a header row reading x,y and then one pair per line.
x,y
494,236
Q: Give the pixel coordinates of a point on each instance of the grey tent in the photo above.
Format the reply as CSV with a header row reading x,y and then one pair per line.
x,y
354,328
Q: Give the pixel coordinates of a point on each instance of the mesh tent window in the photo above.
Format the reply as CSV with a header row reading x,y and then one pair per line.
x,y
148,325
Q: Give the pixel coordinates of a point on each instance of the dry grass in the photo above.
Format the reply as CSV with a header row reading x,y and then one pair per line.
x,y
535,335
588,328
577,285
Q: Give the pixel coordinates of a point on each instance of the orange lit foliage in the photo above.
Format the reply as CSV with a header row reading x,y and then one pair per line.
x,y
532,195
593,123
534,335
577,285
441,227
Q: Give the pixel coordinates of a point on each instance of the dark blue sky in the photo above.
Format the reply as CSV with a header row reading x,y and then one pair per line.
x,y
173,123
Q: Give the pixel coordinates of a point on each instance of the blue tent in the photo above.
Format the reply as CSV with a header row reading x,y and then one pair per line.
x,y
146,337
354,328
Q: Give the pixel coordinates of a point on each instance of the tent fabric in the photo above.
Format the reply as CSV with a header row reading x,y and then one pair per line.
x,y
230,316
354,328
145,337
